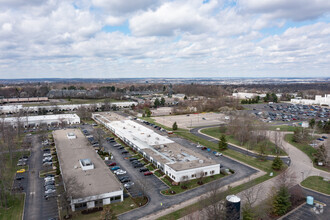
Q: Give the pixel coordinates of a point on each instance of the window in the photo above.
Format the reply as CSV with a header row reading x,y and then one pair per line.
x,y
193,175
205,174
212,172
174,177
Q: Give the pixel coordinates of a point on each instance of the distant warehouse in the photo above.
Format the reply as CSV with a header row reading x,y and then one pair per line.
x,y
175,160
87,180
40,120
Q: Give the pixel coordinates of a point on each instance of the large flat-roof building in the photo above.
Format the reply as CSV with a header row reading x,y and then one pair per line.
x,y
87,179
175,160
39,120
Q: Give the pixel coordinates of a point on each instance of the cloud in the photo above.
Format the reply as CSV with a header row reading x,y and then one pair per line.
x,y
297,10
174,16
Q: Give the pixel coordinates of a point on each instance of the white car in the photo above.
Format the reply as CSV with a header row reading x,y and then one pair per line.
x,y
49,179
199,146
218,154
50,191
128,185
120,172
47,154
46,158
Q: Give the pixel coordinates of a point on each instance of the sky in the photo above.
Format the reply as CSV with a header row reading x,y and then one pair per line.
x,y
164,38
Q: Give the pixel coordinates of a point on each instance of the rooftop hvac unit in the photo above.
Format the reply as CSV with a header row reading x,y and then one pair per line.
x,y
124,128
201,161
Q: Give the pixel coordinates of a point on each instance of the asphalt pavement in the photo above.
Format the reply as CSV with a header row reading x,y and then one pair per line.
x,y
36,207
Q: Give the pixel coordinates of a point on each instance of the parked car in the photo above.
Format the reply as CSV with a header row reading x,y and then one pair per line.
x,y
123,177
324,137
218,154
144,169
49,183
121,147
49,179
50,195
128,185
48,187
19,178
115,168
49,175
148,173
112,164
50,191
47,164
20,171
21,163
125,180
121,172
204,148
47,154
133,159
138,165
320,139
124,152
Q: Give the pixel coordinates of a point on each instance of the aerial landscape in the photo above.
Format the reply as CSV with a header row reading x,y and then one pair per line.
x,y
164,109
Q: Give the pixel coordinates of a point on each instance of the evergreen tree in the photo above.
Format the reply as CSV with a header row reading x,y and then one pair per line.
x,y
223,145
157,103
175,126
277,163
281,201
312,123
162,101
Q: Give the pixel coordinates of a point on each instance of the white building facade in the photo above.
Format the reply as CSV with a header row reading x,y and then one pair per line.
x,y
319,100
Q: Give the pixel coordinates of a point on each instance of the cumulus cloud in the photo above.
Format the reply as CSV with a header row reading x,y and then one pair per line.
x,y
297,10
66,38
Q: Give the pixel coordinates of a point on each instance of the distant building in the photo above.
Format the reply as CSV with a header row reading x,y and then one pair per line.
x,y
179,96
319,100
87,180
39,120
17,100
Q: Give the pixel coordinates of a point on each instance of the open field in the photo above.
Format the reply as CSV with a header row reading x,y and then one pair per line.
x,y
192,120
270,150
317,183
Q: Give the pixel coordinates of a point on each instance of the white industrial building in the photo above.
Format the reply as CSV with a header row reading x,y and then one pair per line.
x,y
11,109
87,180
39,120
175,160
319,100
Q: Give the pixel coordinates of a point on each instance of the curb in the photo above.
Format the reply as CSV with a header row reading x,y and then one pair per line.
x,y
304,187
24,205
293,210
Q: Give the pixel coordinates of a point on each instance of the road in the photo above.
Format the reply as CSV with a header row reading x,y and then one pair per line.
x,y
36,207
197,132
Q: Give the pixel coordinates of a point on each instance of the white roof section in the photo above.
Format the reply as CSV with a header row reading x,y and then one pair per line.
x,y
233,198
42,118
139,135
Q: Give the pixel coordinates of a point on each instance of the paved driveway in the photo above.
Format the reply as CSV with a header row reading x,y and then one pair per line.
x,y
36,207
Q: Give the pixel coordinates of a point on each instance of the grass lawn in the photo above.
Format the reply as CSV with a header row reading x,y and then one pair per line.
x,y
153,121
117,208
283,128
317,183
15,210
263,165
190,185
150,167
214,132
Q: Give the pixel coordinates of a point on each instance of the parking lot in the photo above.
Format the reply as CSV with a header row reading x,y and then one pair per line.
x,y
192,120
122,161
36,206
286,112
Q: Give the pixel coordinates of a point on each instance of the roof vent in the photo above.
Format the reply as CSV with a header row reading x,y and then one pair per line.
x,y
201,161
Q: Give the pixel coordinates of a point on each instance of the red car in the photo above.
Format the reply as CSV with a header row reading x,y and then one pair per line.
x,y
148,173
204,148
112,164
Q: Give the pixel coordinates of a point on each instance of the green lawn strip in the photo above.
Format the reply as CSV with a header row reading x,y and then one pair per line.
x,y
158,173
15,208
262,165
117,208
282,128
150,167
190,185
317,183
196,206
214,132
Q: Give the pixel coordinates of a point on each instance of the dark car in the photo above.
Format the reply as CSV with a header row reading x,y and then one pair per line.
x,y
121,147
124,152
138,165
125,180
143,169
49,187
123,177
19,177
49,196
324,137
49,175
148,173
133,159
